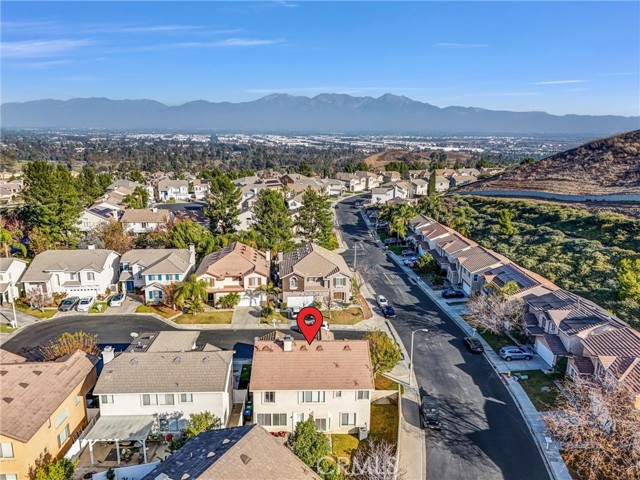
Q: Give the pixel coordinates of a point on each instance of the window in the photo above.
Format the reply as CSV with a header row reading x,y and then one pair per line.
x,y
340,282
8,476
125,267
253,282
269,397
144,225
321,424
167,277
91,276
63,435
176,277
475,278
279,420
160,399
6,450
363,395
106,399
264,419
78,399
73,276
337,394
348,419
186,398
293,283
312,397
62,417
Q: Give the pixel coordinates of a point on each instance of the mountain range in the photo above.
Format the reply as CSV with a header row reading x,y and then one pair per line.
x,y
327,113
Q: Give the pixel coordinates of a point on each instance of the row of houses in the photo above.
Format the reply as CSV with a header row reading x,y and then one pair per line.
x,y
560,324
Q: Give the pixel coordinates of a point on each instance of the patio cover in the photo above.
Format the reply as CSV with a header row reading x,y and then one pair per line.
x,y
121,427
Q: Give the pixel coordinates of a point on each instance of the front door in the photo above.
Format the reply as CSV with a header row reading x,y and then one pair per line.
x,y
130,286
297,418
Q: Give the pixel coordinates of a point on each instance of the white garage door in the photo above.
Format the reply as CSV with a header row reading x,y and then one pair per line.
x,y
544,352
299,301
250,300
466,288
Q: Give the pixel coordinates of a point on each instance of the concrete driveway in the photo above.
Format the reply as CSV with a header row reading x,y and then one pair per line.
x,y
246,316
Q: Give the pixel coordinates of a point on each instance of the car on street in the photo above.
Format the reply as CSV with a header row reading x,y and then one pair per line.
x,y
391,241
382,225
296,328
473,344
117,300
68,304
516,353
452,293
85,304
295,311
388,312
409,260
381,301
408,253
429,413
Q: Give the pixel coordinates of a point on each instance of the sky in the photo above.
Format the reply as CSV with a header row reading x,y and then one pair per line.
x,y
558,57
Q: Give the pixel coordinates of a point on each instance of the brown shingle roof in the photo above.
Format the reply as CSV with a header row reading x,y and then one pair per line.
x,y
234,260
144,215
434,231
31,392
322,365
9,357
312,259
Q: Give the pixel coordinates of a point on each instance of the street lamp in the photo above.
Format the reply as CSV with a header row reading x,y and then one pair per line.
x,y
411,358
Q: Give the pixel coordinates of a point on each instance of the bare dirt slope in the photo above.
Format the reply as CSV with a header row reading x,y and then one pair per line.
x,y
603,167
380,159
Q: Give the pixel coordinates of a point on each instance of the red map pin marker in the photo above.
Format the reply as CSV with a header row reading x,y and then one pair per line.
x,y
309,321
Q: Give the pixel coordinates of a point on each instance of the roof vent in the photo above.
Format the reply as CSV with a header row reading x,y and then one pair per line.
x,y
266,348
225,441
185,476
176,360
24,385
37,372
133,361
336,364
206,360
319,348
347,348
3,373
7,399
210,454
245,458
303,348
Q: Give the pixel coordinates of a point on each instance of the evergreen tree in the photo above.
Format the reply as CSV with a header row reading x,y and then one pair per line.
x,y
504,222
138,199
136,176
186,232
222,206
273,222
304,168
362,166
431,189
315,219
629,277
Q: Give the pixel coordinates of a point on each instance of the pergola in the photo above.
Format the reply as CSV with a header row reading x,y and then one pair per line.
x,y
119,428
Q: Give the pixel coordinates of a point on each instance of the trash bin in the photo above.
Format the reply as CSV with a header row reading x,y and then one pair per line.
x,y
362,433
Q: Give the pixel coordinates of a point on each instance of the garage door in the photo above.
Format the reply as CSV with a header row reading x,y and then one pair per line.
x,y
250,300
299,301
544,352
466,288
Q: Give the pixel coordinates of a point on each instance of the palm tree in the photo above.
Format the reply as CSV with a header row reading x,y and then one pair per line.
x,y
271,291
461,222
191,294
400,218
10,240
138,199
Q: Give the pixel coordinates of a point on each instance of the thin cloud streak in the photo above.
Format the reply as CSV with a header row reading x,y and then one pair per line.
x,y
38,65
41,48
557,82
230,42
461,45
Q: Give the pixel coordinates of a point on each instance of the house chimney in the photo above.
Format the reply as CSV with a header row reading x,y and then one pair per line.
x,y
192,250
154,210
192,247
91,246
280,256
267,255
115,214
108,354
288,343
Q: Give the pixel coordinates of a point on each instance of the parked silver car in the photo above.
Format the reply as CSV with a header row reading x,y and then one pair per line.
x,y
516,353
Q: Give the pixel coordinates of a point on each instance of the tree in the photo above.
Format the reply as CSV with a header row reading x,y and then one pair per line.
x,y
186,232
52,201
50,469
89,184
38,298
431,188
10,240
509,288
201,422
309,444
628,271
376,460
362,166
399,218
138,199
427,264
169,293
504,222
597,426
69,343
495,313
39,241
385,353
273,222
136,176
90,239
461,221
114,237
304,168
190,294
270,290
222,207
230,300
432,206
315,219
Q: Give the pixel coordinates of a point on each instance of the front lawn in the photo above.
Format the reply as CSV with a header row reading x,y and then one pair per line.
x,y
99,307
384,423
4,328
218,316
279,317
245,376
344,446
496,341
346,316
34,312
161,310
541,389
384,383
397,249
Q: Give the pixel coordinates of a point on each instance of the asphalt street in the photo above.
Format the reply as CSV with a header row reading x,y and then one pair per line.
x,y
484,435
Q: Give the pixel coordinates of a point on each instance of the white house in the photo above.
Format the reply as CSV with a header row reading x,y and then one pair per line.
x,y
334,387
201,188
235,268
419,186
333,187
144,220
173,189
11,270
164,376
75,272
442,183
381,195
92,217
353,182
151,269
245,217
129,185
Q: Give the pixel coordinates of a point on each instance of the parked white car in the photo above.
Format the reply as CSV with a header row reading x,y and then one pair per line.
x,y
381,301
85,304
116,300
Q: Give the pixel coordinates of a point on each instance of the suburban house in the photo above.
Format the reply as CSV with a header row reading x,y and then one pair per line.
x,y
419,187
245,217
333,187
445,172
468,172
312,273
151,269
230,454
11,270
491,170
373,179
129,185
442,183
526,281
471,263
353,182
94,216
160,379
334,387
43,409
235,268
75,272
173,189
201,188
412,174
458,180
391,176
380,195
9,189
144,220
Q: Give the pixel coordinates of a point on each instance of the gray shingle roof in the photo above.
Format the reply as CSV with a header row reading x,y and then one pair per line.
x,y
234,260
312,259
144,215
65,261
159,260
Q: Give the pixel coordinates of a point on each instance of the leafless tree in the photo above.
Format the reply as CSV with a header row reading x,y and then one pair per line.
x,y
168,294
599,430
38,298
69,343
495,313
376,460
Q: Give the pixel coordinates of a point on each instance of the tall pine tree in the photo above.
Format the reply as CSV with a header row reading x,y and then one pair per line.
x,y
223,205
315,221
272,220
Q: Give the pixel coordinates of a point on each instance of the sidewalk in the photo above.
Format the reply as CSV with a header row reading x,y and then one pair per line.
x,y
24,319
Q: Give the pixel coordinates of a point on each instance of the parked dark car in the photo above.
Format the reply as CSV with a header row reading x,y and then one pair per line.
x,y
452,293
516,353
382,225
474,345
68,304
429,413
391,241
408,253
388,312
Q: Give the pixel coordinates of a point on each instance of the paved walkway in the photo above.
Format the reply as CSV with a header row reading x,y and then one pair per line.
x,y
24,319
